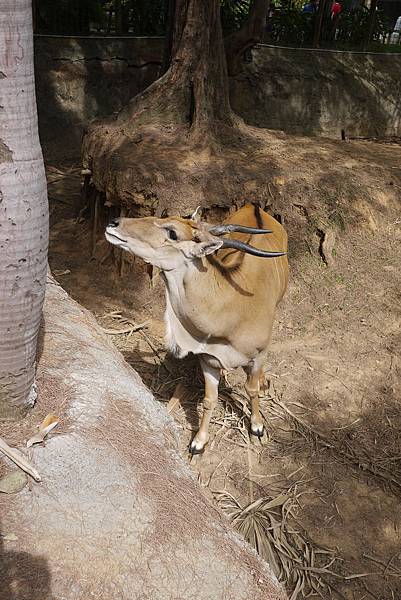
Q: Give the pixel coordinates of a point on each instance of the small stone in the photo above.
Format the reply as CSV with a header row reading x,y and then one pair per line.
x,y
13,482
10,537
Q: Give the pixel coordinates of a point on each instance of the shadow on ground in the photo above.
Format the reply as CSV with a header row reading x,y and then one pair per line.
x,y
22,575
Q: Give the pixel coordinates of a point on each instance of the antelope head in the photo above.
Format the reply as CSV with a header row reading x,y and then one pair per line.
x,y
171,242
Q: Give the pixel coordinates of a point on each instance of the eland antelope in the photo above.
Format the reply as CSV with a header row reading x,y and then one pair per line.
x,y
223,283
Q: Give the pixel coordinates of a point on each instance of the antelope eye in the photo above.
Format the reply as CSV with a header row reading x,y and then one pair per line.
x,y
172,234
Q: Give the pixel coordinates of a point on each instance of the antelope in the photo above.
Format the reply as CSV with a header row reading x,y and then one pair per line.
x,y
221,293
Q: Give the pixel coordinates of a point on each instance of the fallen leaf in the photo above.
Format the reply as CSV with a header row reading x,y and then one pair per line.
x,y
20,460
45,427
48,420
13,482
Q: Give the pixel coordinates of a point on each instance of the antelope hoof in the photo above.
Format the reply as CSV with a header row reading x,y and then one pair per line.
x,y
257,429
197,446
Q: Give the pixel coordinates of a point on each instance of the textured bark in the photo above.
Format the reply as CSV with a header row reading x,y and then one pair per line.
x,y
372,18
137,158
23,212
194,89
168,47
250,34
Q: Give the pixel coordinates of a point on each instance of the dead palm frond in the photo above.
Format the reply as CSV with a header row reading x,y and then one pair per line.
x,y
295,561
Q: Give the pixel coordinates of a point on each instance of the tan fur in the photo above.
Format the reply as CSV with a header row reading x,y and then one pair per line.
x,y
220,304
228,312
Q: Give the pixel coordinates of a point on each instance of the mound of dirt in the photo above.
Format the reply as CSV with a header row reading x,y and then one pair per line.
x,y
155,170
323,181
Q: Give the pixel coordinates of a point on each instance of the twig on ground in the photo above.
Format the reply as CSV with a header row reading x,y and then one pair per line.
x,y
20,460
394,572
130,329
369,592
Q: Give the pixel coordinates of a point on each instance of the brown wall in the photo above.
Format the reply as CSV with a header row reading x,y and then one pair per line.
x,y
318,92
79,79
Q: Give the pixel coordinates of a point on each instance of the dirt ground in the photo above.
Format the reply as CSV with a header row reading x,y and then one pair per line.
x,y
332,411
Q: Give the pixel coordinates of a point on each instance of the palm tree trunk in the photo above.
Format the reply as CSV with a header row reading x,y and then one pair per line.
x,y
23,212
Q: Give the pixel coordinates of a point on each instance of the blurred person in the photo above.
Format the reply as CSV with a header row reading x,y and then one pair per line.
x,y
311,7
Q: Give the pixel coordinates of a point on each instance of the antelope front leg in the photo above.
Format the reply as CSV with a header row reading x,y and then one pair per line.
x,y
252,387
212,378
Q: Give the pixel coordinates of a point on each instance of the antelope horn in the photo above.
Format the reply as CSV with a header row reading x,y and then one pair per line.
x,y
237,245
222,229
196,214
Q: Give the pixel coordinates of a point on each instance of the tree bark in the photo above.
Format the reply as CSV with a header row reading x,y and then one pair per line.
x,y
371,26
136,156
194,90
23,212
168,47
247,36
319,16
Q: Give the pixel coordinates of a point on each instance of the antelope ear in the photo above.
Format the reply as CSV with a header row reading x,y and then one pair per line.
x,y
203,248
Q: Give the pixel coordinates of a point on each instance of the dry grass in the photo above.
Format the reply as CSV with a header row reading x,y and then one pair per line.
x,y
266,523
271,526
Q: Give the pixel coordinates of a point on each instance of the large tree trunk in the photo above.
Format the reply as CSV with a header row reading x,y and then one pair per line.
x,y
371,26
194,90
168,45
23,212
178,144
